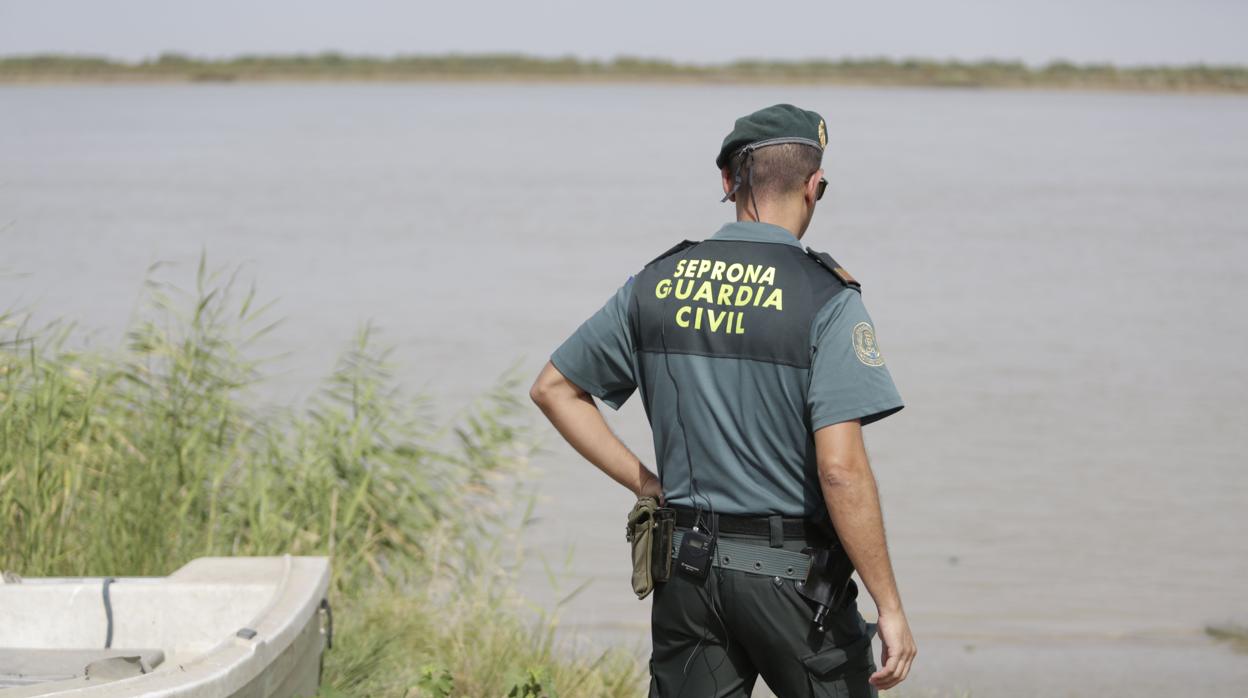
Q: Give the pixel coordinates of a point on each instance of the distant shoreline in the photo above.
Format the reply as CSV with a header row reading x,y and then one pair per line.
x,y
330,67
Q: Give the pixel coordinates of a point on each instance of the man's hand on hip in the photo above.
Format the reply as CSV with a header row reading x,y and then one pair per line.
x,y
573,413
651,488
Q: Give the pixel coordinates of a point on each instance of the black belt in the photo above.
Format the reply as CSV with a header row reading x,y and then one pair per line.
x,y
775,528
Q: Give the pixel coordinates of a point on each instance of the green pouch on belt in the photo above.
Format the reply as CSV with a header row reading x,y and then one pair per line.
x,y
650,530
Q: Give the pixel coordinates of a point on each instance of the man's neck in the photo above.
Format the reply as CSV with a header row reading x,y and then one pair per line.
x,y
791,223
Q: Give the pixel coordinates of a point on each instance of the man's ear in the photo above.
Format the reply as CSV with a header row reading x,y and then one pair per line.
x,y
726,175
812,186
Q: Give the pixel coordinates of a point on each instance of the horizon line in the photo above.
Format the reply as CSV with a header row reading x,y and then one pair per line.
x,y
173,54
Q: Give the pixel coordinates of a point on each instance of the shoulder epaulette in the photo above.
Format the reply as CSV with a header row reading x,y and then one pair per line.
x,y
825,260
683,245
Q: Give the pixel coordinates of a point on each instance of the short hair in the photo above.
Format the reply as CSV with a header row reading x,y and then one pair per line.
x,y
778,170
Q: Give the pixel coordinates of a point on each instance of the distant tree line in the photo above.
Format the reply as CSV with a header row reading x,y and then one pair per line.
x,y
870,71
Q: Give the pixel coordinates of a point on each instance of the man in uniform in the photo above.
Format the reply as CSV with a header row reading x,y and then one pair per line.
x,y
758,366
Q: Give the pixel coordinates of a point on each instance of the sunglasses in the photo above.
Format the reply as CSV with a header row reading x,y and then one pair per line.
x,y
823,185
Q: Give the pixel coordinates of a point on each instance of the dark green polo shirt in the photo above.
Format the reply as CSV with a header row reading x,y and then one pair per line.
x,y
750,344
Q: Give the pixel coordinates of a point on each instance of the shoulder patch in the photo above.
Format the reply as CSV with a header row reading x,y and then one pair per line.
x,y
825,260
679,247
865,346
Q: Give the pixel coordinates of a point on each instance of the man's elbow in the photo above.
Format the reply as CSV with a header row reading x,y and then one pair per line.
x,y
838,471
549,387
540,392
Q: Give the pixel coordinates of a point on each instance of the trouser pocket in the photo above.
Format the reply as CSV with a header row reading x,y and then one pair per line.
x,y
842,672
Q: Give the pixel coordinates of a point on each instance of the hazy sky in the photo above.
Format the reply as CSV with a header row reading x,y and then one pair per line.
x,y
1121,31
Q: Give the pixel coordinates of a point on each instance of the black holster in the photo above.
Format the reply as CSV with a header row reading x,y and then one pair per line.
x,y
828,582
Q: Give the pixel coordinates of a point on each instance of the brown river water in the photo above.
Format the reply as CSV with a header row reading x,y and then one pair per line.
x,y
1058,281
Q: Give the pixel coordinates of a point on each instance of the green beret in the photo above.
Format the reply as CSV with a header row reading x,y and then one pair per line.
x,y
782,123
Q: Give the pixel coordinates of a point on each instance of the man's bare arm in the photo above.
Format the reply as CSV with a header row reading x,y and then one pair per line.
x,y
573,413
854,504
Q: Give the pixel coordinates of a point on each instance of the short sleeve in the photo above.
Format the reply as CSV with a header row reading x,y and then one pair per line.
x,y
599,356
848,378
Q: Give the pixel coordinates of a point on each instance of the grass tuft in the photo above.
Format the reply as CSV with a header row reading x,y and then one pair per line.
x,y
1234,635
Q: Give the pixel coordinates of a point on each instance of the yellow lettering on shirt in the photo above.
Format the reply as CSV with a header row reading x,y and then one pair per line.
x,y
705,293
715,285
663,288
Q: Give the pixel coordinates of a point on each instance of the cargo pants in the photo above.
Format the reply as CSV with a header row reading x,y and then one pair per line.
x,y
713,638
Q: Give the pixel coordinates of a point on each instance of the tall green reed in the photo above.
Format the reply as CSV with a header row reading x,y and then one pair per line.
x,y
135,460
